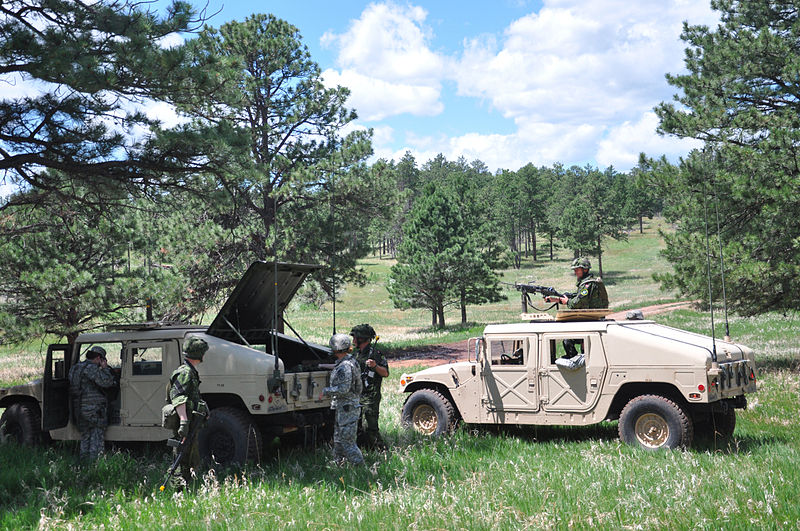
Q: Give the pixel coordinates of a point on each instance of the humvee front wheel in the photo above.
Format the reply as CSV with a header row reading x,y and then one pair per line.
x,y
21,423
428,412
229,437
654,422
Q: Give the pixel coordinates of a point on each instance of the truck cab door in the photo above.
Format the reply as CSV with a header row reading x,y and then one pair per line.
x,y
509,379
577,390
146,367
55,387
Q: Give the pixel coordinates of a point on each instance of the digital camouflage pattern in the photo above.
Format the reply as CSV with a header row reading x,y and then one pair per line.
x,y
371,394
591,294
345,391
184,388
87,381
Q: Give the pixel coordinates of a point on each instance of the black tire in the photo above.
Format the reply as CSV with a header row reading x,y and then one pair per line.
x,y
21,423
429,412
654,422
230,437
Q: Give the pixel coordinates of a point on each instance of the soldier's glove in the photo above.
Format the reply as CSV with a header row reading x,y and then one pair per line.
x,y
183,429
326,391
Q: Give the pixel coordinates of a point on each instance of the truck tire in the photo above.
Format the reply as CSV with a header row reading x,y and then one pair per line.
x,y
230,437
654,422
21,423
428,412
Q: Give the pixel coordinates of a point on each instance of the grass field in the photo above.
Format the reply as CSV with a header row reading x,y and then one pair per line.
x,y
537,478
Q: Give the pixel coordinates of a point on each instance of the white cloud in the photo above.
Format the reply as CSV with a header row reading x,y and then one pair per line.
x,y
385,60
623,143
173,40
376,99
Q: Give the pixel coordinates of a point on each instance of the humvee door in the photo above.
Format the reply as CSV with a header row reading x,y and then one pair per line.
x,y
146,368
573,390
509,378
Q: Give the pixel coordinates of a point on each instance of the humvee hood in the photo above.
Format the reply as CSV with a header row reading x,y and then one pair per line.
x,y
251,306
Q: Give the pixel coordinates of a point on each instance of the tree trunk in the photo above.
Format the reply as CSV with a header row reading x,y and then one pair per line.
x,y
463,306
641,224
433,317
599,257
533,240
440,312
551,246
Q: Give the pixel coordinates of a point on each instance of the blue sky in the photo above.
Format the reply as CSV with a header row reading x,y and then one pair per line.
x,y
508,82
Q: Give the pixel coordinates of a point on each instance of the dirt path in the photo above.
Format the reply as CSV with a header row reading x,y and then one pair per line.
x,y
432,355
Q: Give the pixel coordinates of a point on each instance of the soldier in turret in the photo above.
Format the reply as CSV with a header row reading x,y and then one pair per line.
x,y
345,389
591,294
88,381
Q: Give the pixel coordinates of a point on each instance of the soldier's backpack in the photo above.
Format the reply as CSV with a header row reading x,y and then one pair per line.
x,y
75,390
169,417
355,370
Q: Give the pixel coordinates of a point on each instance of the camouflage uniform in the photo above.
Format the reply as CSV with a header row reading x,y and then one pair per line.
x,y
591,294
87,380
345,389
371,395
184,388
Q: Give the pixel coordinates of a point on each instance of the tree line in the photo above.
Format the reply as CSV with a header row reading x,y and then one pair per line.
x,y
119,216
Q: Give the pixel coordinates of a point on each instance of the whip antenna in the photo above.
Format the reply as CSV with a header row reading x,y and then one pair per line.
x,y
721,266
708,275
274,344
333,245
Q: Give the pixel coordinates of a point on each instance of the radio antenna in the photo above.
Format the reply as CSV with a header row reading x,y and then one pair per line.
x,y
274,344
708,275
333,245
721,262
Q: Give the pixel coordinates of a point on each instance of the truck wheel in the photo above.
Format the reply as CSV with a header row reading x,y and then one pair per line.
x,y
229,437
654,422
21,423
429,413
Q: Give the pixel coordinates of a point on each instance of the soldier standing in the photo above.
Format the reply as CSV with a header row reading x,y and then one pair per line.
x,y
87,382
345,388
374,369
184,393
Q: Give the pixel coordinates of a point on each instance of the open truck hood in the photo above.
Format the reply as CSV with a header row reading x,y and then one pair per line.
x,y
250,307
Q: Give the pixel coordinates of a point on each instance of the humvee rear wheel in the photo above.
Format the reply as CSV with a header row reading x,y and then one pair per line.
x,y
654,422
428,412
230,437
21,423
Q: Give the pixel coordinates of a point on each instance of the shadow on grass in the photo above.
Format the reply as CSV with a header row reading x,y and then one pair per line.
x,y
602,431
738,444
777,363
612,278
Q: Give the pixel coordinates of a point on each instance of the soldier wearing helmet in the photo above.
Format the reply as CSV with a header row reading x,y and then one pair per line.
x,y
591,292
183,392
374,369
345,389
88,381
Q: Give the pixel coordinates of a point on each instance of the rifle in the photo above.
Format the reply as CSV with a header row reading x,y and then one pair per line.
x,y
545,291
183,446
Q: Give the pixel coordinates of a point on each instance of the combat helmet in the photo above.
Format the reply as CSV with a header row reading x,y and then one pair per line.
x,y
340,342
581,262
194,348
95,352
363,331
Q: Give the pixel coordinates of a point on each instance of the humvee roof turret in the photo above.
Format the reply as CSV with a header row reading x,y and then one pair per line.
x,y
251,392
664,385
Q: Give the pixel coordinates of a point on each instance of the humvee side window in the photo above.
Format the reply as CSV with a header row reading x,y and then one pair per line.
x,y
113,353
147,361
560,348
507,352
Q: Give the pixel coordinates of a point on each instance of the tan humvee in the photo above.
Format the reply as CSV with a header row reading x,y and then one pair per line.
x,y
663,384
251,393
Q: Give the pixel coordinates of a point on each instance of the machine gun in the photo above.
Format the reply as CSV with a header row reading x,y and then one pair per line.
x,y
183,446
545,291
